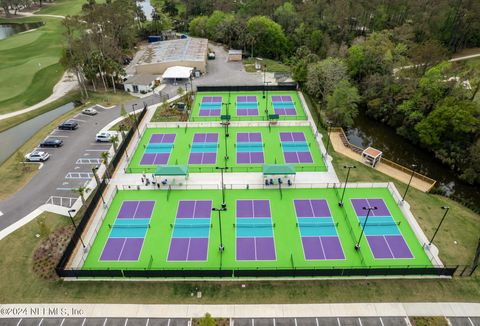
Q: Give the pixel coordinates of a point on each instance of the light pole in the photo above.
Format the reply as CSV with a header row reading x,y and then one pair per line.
x,y
224,205
70,211
349,167
408,185
135,117
221,248
368,209
226,123
265,84
446,208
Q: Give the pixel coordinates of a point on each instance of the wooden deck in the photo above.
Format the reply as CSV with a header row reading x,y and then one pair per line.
x,y
341,145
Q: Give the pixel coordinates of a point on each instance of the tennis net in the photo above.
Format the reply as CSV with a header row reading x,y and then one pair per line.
x,y
245,145
254,225
129,226
159,145
380,223
317,224
204,145
192,226
295,144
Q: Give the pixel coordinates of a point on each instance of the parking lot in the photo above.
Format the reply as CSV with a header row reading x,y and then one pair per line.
x,y
320,321
68,168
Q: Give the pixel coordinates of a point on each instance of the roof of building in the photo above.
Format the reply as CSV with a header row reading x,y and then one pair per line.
x,y
178,72
166,170
372,152
232,51
278,169
187,49
140,79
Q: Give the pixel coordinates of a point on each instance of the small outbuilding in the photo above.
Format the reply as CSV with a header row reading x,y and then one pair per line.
x,y
235,55
372,156
140,83
272,173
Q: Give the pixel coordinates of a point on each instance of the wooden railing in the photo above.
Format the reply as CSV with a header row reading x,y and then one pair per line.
x,y
397,166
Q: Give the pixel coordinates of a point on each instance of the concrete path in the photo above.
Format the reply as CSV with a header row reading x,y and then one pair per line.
x,y
66,84
404,177
241,311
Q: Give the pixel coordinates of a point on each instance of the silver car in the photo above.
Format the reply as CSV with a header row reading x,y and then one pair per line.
x,y
37,156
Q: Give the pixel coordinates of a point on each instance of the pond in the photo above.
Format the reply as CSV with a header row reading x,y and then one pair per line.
x,y
9,29
13,138
367,132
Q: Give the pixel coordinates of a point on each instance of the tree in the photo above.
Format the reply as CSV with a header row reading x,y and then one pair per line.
x,y
20,157
266,37
81,192
323,77
198,26
207,321
114,141
342,104
287,17
105,156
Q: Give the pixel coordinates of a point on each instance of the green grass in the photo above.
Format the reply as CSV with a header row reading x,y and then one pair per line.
x,y
272,66
29,65
20,285
261,106
288,246
455,240
63,7
16,120
273,152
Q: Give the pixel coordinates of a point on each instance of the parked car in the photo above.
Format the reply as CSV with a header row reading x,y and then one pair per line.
x,y
37,156
68,125
89,111
103,136
51,142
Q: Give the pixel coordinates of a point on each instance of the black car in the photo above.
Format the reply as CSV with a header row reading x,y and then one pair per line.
x,y
68,125
51,142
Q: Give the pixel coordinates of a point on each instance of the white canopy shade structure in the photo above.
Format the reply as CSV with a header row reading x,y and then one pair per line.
x,y
177,72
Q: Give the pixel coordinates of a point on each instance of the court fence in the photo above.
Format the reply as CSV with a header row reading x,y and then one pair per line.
x,y
246,88
231,169
260,273
96,199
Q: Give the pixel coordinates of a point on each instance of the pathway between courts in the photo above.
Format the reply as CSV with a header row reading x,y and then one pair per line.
x,y
450,309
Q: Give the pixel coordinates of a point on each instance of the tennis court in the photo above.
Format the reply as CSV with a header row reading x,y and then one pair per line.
x,y
305,228
248,148
128,231
383,235
254,230
247,105
158,149
191,231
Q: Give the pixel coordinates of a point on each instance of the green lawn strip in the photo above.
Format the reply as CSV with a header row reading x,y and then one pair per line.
x,y
29,65
287,236
184,136
232,111
63,7
20,285
16,120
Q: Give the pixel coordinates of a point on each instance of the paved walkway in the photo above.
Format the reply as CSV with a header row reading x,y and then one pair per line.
x,y
241,311
339,147
65,85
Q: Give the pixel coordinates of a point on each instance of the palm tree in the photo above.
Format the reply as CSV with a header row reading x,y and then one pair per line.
x,y
114,140
105,156
81,191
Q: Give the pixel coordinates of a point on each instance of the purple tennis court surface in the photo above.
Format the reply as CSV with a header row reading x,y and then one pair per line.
x,y
127,245
247,106
249,148
283,105
295,147
191,231
254,231
320,239
382,233
210,106
204,148
158,149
